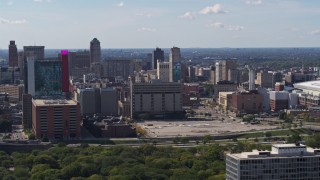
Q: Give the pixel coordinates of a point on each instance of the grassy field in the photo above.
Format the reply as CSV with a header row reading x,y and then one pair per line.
x,y
283,132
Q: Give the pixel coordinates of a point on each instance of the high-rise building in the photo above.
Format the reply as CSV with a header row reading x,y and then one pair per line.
x,y
157,54
163,71
113,68
226,70
95,50
264,79
284,161
33,52
175,66
56,119
44,77
13,54
27,111
65,71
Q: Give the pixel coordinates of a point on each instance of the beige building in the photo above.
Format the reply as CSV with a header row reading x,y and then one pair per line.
x,y
156,99
15,91
163,71
224,99
226,70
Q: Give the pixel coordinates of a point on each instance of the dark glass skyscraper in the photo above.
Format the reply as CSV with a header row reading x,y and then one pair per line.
x,y
65,71
95,50
13,54
157,54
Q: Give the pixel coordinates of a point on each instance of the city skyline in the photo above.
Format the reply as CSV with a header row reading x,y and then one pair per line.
x,y
146,24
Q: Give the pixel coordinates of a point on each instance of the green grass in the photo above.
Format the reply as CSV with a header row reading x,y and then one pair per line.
x,y
283,132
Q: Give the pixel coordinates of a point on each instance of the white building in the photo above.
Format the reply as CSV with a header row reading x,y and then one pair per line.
x,y
284,161
163,71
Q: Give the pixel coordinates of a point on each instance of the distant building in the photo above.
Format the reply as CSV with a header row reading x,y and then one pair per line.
x,y
279,100
310,95
98,101
113,68
95,50
226,70
13,54
175,64
192,73
190,94
14,91
157,54
264,79
65,71
9,75
284,161
33,52
56,119
246,102
224,86
163,71
79,63
157,99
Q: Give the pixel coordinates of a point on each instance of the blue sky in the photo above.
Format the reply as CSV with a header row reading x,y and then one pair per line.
x,y
162,23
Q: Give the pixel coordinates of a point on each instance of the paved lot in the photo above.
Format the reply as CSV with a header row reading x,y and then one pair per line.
x,y
198,128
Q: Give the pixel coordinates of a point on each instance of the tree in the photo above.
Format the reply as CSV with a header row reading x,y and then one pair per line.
x,y
32,137
184,140
294,138
45,159
206,139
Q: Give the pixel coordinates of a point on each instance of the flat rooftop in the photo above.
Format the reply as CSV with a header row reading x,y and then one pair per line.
x,y
310,85
46,102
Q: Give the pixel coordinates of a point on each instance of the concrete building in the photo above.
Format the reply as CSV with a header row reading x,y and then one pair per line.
x,y
56,119
95,51
279,100
13,54
264,79
192,73
87,99
158,99
190,94
226,70
224,86
284,161
33,52
113,68
9,75
157,54
14,91
79,63
109,101
225,100
163,71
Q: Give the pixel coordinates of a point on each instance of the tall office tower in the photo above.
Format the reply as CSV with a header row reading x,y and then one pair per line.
x,y
264,79
192,73
79,63
34,52
113,68
175,66
44,77
13,54
65,71
157,54
163,71
20,64
226,70
95,50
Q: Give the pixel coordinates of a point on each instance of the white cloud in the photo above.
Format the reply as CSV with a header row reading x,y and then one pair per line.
x,y
6,21
144,29
215,9
315,32
121,4
144,14
254,2
188,15
227,27
10,3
